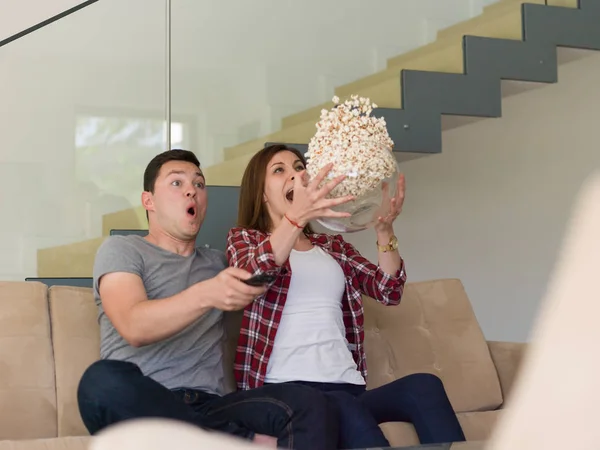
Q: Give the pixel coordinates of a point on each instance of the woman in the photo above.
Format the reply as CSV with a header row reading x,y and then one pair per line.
x,y
308,327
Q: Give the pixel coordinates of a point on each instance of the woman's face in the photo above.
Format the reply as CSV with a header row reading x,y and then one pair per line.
x,y
279,183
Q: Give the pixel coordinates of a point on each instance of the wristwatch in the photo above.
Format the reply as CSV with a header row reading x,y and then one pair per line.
x,y
392,245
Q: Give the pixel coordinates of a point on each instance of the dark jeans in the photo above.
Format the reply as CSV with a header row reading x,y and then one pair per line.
x,y
418,398
299,417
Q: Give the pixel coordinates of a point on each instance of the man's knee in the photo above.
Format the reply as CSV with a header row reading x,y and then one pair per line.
x,y
106,378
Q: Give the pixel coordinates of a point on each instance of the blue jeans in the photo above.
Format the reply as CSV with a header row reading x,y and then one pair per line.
x,y
299,417
418,398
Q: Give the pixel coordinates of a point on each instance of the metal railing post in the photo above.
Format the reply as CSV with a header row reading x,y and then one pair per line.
x,y
168,72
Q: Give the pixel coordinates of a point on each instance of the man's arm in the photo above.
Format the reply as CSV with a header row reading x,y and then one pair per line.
x,y
142,322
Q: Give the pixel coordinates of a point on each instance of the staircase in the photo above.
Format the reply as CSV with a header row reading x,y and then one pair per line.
x,y
461,77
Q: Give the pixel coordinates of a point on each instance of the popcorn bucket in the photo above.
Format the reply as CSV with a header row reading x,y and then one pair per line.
x,y
359,147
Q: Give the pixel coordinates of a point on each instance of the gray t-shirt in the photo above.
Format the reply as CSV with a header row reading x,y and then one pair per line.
x,y
193,358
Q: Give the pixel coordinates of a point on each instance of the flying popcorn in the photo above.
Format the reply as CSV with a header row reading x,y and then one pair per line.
x,y
358,145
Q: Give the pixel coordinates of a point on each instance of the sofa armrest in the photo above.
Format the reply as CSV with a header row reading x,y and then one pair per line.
x,y
507,357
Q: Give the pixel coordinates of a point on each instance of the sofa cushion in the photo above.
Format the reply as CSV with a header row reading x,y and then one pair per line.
x,y
400,434
76,341
63,443
434,330
477,426
232,322
27,393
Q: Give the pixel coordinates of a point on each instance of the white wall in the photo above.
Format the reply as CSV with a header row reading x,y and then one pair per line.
x,y
492,208
18,15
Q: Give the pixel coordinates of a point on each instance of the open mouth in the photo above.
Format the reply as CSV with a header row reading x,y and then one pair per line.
x,y
191,211
290,195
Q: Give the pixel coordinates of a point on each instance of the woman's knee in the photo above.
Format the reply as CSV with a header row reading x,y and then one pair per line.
x,y
349,408
423,380
343,401
302,398
424,385
358,426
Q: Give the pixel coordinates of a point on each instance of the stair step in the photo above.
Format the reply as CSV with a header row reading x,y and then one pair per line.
x,y
500,20
563,3
73,260
444,55
229,172
504,5
128,232
221,215
301,132
133,218
480,25
85,282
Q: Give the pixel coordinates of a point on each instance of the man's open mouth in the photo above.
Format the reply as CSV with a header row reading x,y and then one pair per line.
x,y
191,211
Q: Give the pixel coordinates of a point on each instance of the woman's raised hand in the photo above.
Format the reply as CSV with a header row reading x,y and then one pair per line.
x,y
309,200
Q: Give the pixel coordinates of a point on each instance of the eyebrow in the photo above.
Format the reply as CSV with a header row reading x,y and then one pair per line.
x,y
281,162
182,172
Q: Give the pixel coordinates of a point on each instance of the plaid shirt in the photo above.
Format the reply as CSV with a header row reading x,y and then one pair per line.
x,y
251,250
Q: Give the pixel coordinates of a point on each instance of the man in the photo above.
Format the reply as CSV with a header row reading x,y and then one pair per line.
x,y
161,303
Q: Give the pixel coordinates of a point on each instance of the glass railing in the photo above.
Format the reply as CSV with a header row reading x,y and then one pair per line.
x,y
87,102
239,68
83,110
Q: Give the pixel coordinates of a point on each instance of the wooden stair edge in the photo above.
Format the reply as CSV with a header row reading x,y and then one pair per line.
x,y
564,3
133,218
69,260
309,117
447,38
302,131
407,60
490,12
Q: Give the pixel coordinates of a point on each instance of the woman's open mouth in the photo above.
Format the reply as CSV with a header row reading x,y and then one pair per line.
x,y
290,195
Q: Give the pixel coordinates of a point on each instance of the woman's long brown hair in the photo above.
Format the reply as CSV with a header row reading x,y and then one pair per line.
x,y
252,211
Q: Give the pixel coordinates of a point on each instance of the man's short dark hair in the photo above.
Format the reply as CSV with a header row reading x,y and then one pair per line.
x,y
153,168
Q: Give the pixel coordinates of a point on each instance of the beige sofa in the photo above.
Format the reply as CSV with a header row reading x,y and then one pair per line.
x,y
49,336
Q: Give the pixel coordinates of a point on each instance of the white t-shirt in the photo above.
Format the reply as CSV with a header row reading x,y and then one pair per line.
x,y
311,343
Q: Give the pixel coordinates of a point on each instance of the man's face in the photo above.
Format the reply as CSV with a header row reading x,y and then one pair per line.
x,y
178,204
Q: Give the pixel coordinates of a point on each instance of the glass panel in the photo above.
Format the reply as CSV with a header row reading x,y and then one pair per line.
x,y
86,100
246,73
84,111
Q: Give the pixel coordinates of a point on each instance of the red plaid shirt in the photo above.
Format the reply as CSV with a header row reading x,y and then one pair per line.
x,y
251,250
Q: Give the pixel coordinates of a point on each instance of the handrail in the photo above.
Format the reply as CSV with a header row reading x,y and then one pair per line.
x,y
46,22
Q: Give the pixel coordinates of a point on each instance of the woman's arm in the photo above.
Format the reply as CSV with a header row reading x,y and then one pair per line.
x,y
374,281
385,282
389,261
282,239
